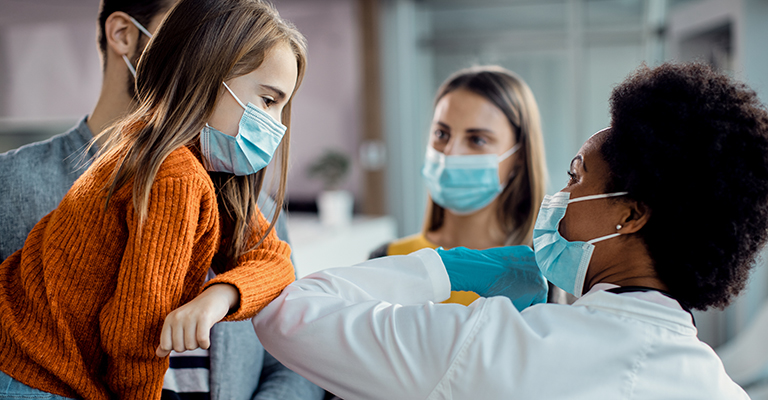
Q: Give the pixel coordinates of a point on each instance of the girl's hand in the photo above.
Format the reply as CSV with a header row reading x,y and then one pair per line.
x,y
189,326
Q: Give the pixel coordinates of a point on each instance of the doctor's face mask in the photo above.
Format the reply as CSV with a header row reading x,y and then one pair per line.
x,y
562,262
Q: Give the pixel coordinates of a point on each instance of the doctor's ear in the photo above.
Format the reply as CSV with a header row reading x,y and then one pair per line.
x,y
634,217
121,34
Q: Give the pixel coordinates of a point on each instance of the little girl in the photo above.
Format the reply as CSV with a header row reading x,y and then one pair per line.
x,y
113,279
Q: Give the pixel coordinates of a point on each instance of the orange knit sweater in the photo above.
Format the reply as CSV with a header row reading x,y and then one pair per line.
x,y
84,301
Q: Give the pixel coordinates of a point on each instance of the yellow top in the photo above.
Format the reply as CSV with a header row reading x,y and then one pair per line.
x,y
409,244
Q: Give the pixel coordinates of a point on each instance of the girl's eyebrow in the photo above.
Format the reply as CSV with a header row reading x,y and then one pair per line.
x,y
279,94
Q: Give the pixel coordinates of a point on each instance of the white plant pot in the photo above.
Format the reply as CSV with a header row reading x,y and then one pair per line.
x,y
335,207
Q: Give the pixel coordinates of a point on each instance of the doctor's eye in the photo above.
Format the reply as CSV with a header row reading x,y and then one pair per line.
x,y
571,177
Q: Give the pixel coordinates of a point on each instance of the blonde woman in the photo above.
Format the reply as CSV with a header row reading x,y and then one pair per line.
x,y
484,166
110,282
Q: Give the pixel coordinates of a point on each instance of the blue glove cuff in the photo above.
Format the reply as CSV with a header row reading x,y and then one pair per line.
x,y
509,271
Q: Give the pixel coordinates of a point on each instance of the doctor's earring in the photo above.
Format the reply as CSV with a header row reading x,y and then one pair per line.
x,y
618,227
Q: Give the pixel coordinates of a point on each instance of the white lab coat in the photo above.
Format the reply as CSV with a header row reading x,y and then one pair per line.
x,y
374,331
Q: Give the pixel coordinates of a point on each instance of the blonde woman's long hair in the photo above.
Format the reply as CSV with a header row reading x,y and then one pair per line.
x,y
518,203
200,44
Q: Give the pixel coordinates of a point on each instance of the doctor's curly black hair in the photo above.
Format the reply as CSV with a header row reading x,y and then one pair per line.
x,y
692,145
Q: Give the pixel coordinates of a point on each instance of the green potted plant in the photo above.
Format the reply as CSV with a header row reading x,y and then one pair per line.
x,y
334,205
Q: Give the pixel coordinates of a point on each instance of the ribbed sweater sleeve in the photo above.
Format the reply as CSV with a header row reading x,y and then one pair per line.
x,y
260,274
172,248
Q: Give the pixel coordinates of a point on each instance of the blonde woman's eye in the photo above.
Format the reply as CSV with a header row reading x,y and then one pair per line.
x,y
268,101
478,141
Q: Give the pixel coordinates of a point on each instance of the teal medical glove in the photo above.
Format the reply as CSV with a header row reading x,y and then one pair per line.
x,y
509,271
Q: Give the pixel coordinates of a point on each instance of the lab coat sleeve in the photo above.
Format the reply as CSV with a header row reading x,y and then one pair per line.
x,y
370,331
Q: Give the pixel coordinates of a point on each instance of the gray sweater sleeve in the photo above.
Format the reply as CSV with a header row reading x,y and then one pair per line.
x,y
34,178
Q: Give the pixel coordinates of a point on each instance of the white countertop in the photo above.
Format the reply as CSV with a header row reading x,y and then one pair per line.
x,y
316,247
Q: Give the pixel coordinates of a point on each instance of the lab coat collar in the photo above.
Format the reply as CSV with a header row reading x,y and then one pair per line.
x,y
673,318
652,296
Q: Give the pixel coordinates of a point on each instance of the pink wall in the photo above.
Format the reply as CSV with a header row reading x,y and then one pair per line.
x,y
49,63
327,108
49,70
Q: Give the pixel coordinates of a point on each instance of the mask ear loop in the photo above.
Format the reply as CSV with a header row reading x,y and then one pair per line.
x,y
140,27
130,66
509,152
594,197
597,196
506,155
606,237
144,31
233,95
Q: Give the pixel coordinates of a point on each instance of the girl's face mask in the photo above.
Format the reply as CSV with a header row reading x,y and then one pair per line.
x,y
250,150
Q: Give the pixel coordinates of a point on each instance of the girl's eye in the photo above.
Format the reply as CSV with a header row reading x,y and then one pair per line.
x,y
571,177
268,101
441,134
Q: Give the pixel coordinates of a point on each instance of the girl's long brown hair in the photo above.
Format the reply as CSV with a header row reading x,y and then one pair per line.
x,y
200,44
519,202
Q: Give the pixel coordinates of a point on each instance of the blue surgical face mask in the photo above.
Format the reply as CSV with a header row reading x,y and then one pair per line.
x,y
562,262
258,136
465,183
143,30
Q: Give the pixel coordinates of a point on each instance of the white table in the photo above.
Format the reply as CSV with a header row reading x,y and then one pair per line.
x,y
316,247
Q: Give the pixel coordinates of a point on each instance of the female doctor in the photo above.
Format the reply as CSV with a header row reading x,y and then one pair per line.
x,y
663,212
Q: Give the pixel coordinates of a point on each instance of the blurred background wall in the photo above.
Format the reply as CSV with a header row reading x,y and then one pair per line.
x,y
50,72
374,68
